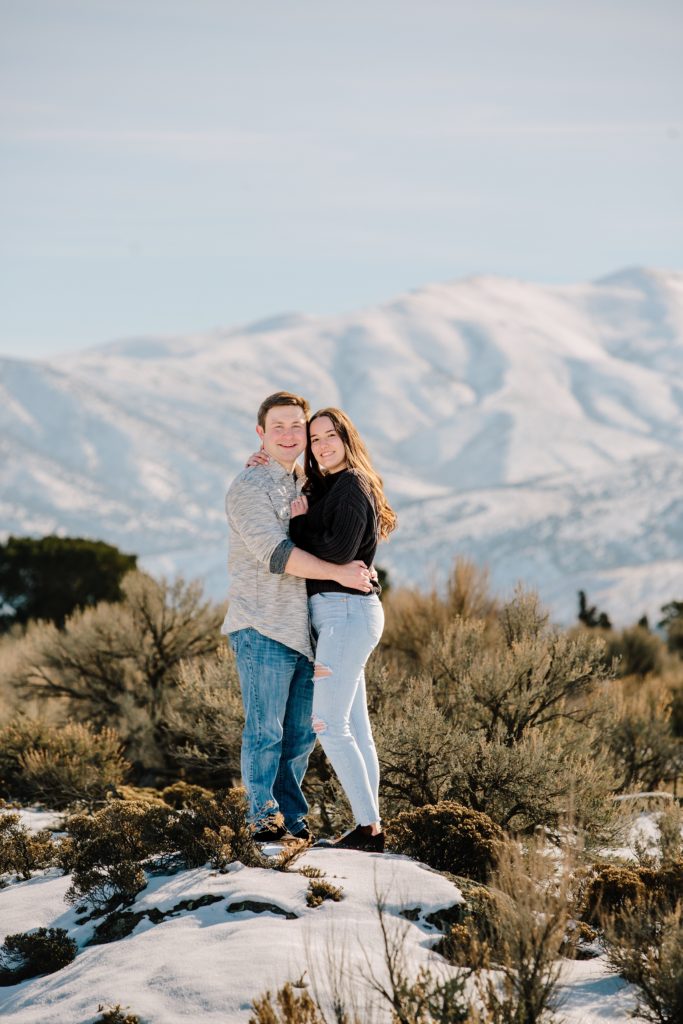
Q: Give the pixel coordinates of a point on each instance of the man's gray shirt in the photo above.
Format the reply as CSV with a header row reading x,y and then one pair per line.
x,y
262,595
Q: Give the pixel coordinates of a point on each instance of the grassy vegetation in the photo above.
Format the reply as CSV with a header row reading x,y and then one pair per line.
x,y
493,728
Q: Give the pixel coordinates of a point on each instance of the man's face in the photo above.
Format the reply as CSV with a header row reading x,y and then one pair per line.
x,y
284,436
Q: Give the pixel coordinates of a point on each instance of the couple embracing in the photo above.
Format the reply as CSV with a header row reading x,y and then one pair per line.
x,y
305,614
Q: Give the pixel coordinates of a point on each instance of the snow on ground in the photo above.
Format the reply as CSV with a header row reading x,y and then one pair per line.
x,y
36,818
210,962
641,833
591,995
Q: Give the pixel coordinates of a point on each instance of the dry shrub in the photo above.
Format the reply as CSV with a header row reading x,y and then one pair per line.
x,y
638,652
612,890
525,675
105,852
524,919
643,748
118,664
670,824
116,1015
183,794
468,942
214,828
205,718
538,781
522,935
61,765
21,851
411,616
646,949
139,794
521,785
30,954
448,837
425,999
286,1007
507,718
319,891
417,750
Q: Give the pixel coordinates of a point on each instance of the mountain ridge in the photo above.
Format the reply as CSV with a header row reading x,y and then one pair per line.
x,y
516,397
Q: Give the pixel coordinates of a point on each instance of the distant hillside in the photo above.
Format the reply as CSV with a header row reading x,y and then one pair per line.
x,y
537,429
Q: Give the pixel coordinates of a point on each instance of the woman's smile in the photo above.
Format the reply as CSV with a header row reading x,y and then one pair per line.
x,y
327,446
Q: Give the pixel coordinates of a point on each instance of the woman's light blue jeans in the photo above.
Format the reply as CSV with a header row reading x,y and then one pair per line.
x,y
347,627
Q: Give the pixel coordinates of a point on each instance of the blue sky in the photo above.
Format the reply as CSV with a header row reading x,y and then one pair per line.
x,y
169,167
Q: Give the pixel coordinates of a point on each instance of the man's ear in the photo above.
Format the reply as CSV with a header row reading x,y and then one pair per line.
x,y
261,433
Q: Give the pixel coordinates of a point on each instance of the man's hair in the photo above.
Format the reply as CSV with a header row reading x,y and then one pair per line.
x,y
281,398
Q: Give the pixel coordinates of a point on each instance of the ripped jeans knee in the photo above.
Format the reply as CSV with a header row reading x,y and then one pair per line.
x,y
320,672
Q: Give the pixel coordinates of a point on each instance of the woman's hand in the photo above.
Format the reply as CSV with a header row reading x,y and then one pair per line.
x,y
299,506
259,458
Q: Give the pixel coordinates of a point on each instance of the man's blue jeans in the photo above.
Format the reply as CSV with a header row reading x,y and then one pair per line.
x,y
277,693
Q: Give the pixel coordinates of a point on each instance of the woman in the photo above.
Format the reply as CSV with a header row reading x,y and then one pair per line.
x,y
341,516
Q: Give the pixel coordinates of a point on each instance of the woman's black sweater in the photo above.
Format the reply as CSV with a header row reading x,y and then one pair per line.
x,y
340,526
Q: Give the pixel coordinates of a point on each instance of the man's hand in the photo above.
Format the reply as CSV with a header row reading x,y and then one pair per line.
x,y
355,575
299,506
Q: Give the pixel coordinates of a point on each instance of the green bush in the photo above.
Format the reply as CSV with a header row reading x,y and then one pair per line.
x,y
448,837
49,577
418,751
60,765
672,622
22,851
29,954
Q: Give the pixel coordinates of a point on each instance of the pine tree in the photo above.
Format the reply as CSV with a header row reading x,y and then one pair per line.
x,y
50,577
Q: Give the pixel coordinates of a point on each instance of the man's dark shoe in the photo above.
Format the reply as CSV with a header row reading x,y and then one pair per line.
x,y
304,833
360,838
274,834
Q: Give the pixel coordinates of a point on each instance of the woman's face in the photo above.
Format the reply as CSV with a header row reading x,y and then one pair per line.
x,y
327,446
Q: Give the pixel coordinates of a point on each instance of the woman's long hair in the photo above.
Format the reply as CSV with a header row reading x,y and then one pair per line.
x,y
357,458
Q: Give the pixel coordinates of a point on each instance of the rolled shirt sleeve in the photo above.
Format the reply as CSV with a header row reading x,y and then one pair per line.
x,y
280,557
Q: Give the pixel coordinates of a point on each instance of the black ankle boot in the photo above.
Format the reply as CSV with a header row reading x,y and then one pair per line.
x,y
360,838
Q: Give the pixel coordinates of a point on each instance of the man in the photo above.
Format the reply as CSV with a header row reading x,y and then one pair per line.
x,y
267,621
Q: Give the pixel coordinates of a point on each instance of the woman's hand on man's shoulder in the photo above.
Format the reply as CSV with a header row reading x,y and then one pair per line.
x,y
259,458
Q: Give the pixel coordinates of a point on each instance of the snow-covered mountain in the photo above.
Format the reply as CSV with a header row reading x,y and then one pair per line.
x,y
536,429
